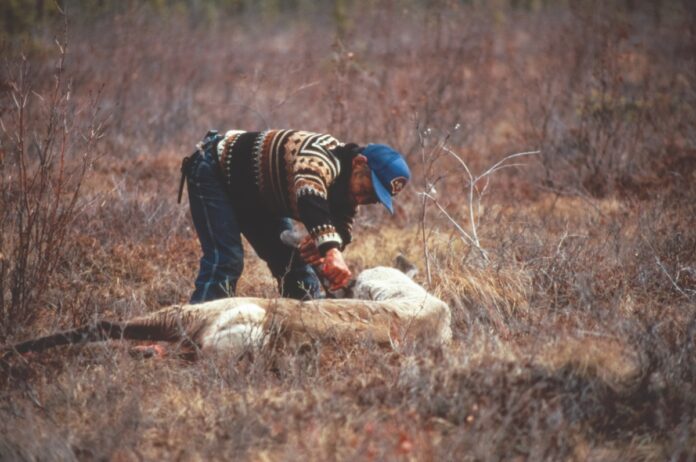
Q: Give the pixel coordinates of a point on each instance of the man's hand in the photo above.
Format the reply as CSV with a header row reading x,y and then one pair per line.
x,y
336,270
309,252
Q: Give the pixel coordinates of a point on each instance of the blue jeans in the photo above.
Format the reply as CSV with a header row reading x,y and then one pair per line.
x,y
219,223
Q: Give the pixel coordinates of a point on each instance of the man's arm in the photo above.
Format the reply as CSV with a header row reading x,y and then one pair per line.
x,y
314,172
343,220
344,226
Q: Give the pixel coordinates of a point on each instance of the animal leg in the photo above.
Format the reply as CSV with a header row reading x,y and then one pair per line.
x,y
100,331
154,350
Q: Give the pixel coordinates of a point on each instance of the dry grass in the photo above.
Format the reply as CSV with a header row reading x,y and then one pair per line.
x,y
576,340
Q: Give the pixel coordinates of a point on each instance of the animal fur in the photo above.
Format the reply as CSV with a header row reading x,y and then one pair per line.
x,y
388,308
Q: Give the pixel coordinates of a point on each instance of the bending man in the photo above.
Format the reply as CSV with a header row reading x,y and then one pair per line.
x,y
251,183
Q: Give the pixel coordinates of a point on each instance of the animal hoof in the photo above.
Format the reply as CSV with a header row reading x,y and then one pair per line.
x,y
148,351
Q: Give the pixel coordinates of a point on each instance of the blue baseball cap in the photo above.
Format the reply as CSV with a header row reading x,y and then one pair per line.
x,y
390,172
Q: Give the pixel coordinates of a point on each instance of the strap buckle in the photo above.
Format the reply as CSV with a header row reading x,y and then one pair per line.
x,y
211,138
184,167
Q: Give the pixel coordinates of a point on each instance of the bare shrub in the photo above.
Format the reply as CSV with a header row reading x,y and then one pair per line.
x,y
594,105
46,153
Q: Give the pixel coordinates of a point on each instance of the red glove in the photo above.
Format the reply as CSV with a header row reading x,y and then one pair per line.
x,y
336,270
309,251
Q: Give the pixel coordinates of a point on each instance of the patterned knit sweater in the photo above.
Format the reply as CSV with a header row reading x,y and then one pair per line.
x,y
289,173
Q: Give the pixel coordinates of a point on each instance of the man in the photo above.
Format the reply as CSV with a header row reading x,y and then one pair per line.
x,y
251,183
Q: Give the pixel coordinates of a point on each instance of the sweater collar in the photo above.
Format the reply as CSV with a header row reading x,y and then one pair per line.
x,y
340,189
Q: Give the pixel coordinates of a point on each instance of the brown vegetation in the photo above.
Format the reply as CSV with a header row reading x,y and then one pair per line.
x,y
574,320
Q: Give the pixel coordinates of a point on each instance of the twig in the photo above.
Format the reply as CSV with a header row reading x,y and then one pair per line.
x,y
671,279
459,228
664,270
474,202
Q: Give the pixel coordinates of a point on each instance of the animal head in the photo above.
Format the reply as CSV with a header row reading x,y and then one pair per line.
x,y
384,283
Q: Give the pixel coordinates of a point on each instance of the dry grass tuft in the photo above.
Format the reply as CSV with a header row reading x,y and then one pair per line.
x,y
608,359
496,295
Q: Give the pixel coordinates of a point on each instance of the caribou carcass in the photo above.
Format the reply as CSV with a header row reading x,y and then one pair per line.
x,y
387,307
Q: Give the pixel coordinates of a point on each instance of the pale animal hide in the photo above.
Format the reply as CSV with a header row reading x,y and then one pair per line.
x,y
388,308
